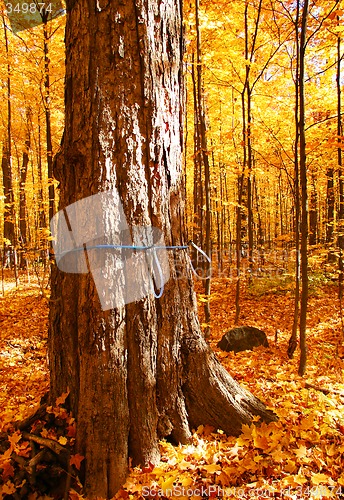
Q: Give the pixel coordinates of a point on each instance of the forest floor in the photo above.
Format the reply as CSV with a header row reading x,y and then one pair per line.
x,y
299,456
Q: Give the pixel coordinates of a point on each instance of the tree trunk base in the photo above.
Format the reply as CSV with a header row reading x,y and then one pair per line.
x,y
213,397
210,397
33,464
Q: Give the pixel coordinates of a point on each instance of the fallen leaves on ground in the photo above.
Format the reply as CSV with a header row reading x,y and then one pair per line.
x,y
299,456
23,353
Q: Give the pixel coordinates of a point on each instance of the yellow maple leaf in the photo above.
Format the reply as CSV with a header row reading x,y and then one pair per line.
x,y
332,450
301,452
8,488
8,471
290,467
307,423
320,478
223,479
63,440
289,481
278,455
212,468
168,483
186,481
44,433
14,439
260,442
299,479
246,431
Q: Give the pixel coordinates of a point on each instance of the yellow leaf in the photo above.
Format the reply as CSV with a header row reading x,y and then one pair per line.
x,y
212,468
290,467
299,479
320,478
278,455
246,431
223,479
289,481
261,442
44,433
301,452
8,488
63,440
168,484
331,450
307,423
186,481
14,439
158,472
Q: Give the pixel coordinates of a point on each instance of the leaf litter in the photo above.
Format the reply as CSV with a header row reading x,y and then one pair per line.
x,y
299,456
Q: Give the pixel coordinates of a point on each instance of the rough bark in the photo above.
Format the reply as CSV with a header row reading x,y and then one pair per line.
x,y
304,197
313,214
22,204
293,338
9,233
204,159
340,169
143,371
46,102
330,203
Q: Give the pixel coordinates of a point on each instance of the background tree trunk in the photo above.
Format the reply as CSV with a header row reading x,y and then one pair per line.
x,y
22,205
142,371
203,160
46,103
9,218
340,169
304,198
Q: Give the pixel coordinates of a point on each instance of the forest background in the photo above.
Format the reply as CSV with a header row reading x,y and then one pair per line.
x,y
262,131
264,198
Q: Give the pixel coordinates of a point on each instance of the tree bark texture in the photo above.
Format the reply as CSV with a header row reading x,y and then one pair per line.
x,y
140,372
304,197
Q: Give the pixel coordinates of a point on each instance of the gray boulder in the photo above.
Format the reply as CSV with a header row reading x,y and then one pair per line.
x,y
243,338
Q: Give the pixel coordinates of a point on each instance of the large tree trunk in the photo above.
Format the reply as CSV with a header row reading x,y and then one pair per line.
x,y
139,372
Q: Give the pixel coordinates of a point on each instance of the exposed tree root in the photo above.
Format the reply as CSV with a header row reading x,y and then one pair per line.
x,y
224,404
32,463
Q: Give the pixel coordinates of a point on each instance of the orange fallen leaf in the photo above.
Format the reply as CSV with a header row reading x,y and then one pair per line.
x,y
76,460
8,488
7,471
60,400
